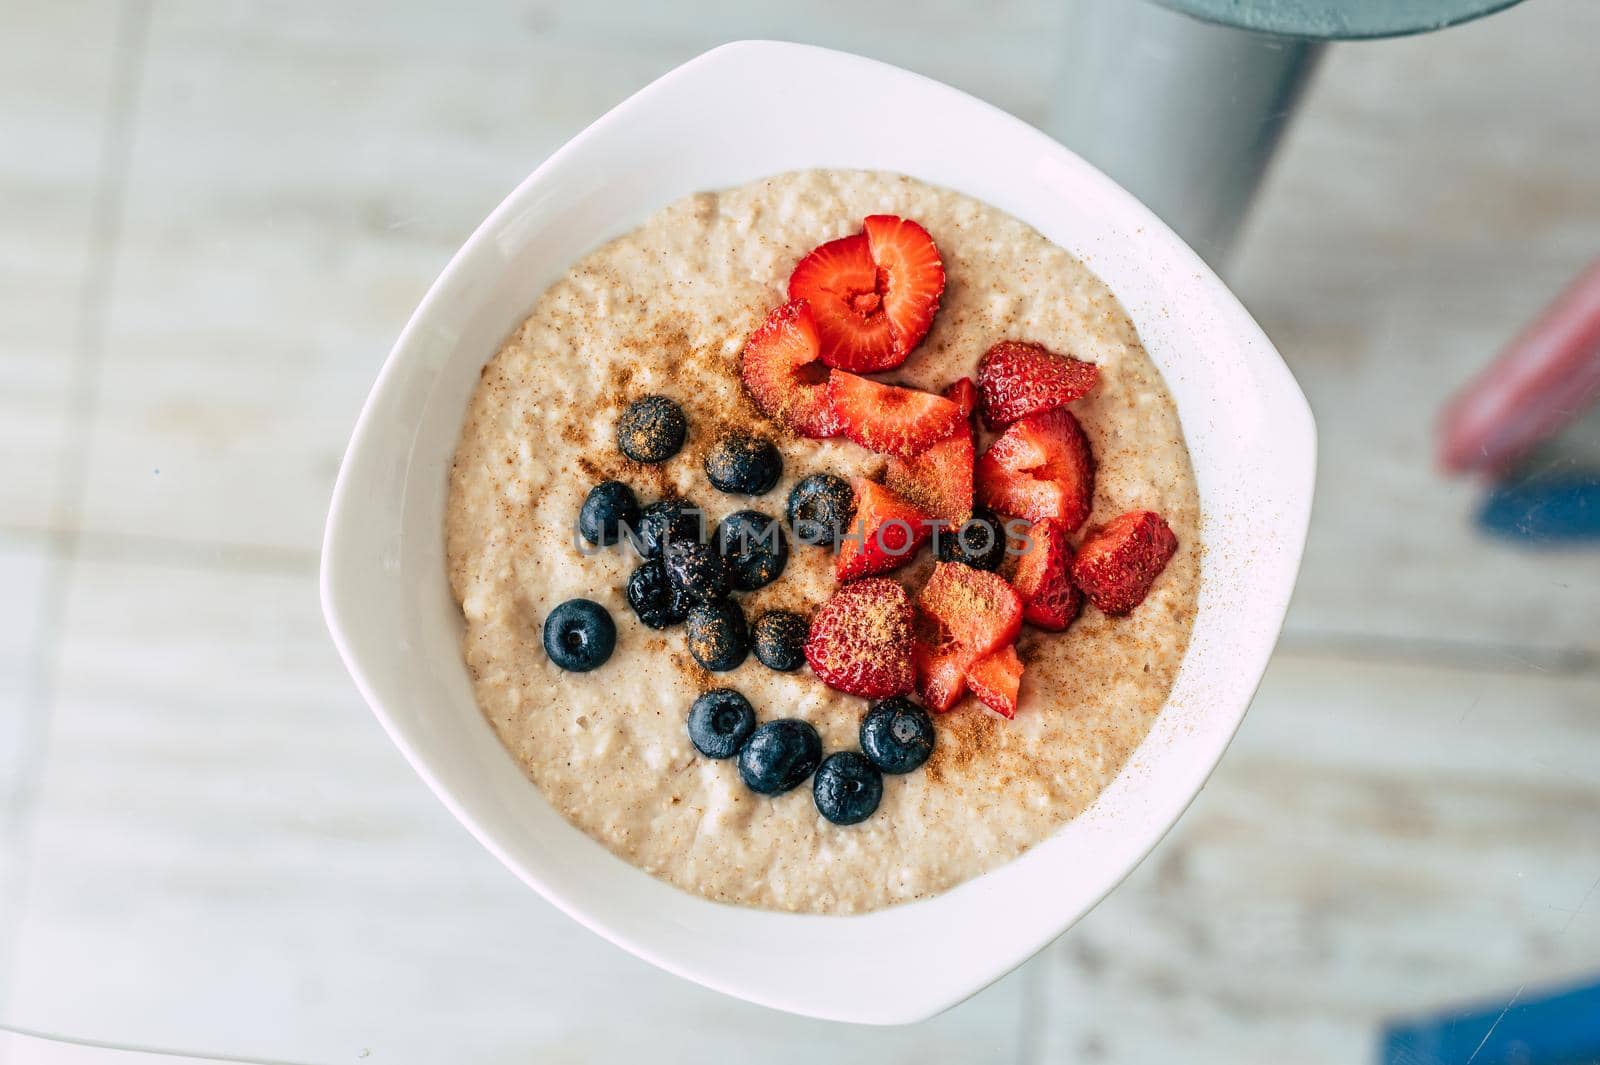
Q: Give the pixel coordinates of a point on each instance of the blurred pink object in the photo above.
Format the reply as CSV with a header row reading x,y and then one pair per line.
x,y
1544,379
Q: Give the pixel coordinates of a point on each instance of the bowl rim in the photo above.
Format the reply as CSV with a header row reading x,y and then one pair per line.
x,y
341,538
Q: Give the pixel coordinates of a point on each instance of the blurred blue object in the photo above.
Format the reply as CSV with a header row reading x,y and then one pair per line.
x,y
1550,509
1545,1028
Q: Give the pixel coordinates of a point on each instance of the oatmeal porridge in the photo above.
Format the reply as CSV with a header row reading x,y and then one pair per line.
x,y
667,311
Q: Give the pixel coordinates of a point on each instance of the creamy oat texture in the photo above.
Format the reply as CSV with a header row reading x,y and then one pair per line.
x,y
666,309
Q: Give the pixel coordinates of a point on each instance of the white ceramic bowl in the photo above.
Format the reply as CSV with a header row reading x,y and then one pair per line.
x,y
730,116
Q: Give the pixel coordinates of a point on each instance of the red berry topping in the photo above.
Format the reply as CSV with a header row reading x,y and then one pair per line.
x,y
996,679
913,275
1017,379
841,282
963,393
860,640
939,480
885,535
782,372
1039,468
941,667
874,293
1042,578
1119,561
977,610
888,418
962,615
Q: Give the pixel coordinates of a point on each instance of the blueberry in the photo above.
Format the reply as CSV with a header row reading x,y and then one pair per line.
x,y
608,507
779,756
980,542
662,522
780,639
720,721
652,596
718,636
743,465
755,548
848,788
579,635
697,570
652,429
821,507
897,735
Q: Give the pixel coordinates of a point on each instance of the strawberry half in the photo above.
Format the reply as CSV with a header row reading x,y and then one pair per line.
x,y
1042,578
1118,562
874,293
941,666
939,480
996,680
963,615
886,533
1039,468
913,275
841,282
782,371
977,610
1017,379
964,394
860,640
890,419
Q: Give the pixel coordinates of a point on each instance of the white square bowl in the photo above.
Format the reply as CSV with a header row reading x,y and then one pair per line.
x,y
727,117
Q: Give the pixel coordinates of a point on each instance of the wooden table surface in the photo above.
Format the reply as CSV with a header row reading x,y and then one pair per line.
x,y
214,218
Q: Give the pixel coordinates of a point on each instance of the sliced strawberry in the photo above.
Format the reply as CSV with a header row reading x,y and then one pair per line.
x,y
874,293
860,640
890,419
912,273
963,615
1118,562
996,679
1042,578
885,535
1039,468
978,610
941,667
845,289
964,394
939,480
783,374
1017,379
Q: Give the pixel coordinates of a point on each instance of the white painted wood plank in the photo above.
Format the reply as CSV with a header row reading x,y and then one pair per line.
x,y
231,858
1435,194
55,61
284,215
25,567
586,56
1380,839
